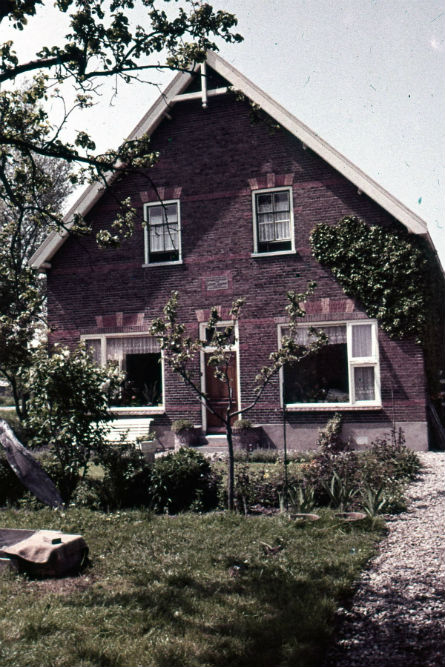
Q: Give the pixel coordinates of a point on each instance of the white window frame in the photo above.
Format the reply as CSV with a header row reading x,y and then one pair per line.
x,y
147,206
353,362
234,347
124,410
256,251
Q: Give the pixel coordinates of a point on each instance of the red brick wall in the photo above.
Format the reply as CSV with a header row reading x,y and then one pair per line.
x,y
211,159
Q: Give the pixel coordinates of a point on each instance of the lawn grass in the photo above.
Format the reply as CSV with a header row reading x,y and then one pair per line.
x,y
187,590
8,413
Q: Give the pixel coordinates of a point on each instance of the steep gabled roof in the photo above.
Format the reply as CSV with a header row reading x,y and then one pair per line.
x,y
174,93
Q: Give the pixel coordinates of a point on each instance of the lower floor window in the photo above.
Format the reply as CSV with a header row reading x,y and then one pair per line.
x,y
345,371
139,357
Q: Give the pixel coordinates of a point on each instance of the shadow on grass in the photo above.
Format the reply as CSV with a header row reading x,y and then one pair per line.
x,y
277,618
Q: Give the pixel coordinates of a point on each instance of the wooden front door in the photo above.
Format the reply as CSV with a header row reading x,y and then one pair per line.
x,y
218,393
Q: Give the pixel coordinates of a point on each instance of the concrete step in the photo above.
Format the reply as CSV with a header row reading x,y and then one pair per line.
x,y
217,441
213,444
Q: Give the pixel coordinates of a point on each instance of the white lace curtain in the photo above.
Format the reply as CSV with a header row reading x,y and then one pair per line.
x,y
361,337
303,336
364,383
117,348
362,340
273,216
163,224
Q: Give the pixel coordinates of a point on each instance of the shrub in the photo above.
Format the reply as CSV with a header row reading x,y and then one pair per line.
x,y
11,489
89,493
341,477
125,482
67,410
385,469
392,453
256,456
344,467
126,479
297,456
270,456
329,437
263,486
374,501
183,481
256,487
342,490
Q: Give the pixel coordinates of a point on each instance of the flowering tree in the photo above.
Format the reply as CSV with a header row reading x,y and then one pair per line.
x,y
180,352
121,40
22,229
67,410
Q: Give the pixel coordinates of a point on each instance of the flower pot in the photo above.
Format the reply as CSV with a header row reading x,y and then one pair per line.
x,y
246,439
184,438
149,448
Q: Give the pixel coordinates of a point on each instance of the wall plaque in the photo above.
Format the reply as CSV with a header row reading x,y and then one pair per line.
x,y
216,283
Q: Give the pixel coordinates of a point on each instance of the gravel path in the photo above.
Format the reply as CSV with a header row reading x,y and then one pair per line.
x,y
398,613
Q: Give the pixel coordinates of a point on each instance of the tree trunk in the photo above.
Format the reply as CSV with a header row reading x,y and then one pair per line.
x,y
27,469
231,471
18,400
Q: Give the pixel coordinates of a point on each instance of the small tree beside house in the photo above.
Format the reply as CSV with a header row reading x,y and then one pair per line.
x,y
67,411
180,351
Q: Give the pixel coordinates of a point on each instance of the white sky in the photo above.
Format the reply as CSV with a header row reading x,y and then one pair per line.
x,y
368,76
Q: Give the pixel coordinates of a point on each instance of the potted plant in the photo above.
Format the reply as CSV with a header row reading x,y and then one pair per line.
x,y
245,435
184,433
149,446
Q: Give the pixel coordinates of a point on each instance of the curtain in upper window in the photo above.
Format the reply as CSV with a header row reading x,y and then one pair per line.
x,y
163,225
163,233
273,216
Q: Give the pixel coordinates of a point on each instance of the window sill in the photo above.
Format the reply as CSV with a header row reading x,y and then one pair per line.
x,y
273,254
138,411
154,264
311,407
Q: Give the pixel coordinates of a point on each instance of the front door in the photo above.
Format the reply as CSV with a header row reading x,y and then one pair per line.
x,y
218,393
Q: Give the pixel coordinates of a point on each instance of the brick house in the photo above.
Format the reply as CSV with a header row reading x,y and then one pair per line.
x,y
230,216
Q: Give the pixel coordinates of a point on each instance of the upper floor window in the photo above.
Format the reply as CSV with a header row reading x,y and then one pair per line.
x,y
344,372
273,221
162,232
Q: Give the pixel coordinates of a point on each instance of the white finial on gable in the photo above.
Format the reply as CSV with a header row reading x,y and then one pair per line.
x,y
204,85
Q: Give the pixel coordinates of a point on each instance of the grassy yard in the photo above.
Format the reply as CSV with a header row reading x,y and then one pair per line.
x,y
186,590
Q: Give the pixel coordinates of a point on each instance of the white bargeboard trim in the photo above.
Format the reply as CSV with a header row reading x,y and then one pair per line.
x,y
172,95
